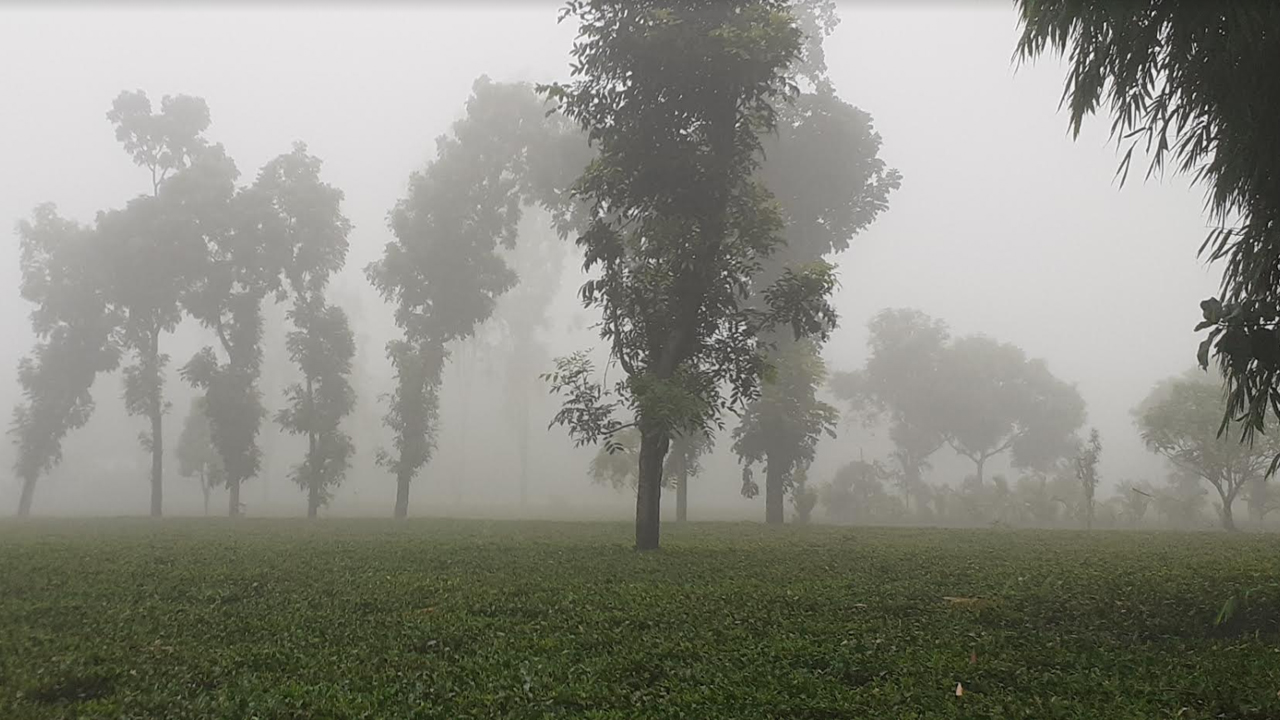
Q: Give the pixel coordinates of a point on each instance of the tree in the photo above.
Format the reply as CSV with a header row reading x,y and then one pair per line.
x,y
443,271
1194,83
63,268
321,343
782,427
197,455
898,384
992,399
244,247
1087,472
822,165
150,261
675,96
1179,419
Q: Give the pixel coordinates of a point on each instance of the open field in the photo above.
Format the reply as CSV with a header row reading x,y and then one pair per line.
x,y
451,619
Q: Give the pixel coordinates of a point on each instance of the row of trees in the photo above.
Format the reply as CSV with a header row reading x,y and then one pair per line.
x,y
199,246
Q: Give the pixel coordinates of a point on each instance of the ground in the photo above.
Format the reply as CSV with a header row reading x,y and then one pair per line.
x,y
453,619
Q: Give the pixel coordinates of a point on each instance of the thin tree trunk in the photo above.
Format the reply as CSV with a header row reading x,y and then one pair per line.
x,y
979,463
682,496
402,496
28,494
653,450
233,502
773,493
313,466
157,429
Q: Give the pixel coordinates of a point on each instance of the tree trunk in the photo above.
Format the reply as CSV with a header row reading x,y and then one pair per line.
x,y
204,490
313,464
233,503
1228,521
773,493
313,499
157,430
978,464
653,450
402,496
28,494
157,462
682,496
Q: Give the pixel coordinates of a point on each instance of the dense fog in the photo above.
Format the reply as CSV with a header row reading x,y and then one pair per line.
x,y
1004,225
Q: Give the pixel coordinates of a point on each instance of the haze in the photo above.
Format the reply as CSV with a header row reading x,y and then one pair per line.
x,y
1003,225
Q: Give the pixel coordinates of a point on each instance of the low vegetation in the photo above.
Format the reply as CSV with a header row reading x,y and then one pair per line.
x,y
288,619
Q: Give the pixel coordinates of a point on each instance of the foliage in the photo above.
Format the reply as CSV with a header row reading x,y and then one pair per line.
x,y
499,620
321,343
197,455
243,237
62,276
443,272
675,97
322,346
1179,419
1193,85
978,395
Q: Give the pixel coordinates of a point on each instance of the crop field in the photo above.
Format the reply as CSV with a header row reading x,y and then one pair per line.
x,y
458,619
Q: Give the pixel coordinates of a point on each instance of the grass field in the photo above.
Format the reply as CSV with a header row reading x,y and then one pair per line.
x,y
454,619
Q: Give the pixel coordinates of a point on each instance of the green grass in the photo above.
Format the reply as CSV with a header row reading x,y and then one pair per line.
x,y
453,619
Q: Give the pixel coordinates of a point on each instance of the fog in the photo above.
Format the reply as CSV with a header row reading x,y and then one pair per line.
x,y
1004,225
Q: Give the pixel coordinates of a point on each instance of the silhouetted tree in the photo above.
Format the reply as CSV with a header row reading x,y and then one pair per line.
x,y
321,343
244,244
443,272
197,455
64,275
151,260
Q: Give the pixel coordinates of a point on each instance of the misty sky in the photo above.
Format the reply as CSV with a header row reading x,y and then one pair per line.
x,y
1003,225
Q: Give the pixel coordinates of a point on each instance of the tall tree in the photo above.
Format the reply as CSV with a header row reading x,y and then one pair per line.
x,y
675,96
150,261
63,275
443,271
822,164
1179,419
1087,473
321,343
781,428
197,455
1194,85
244,248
